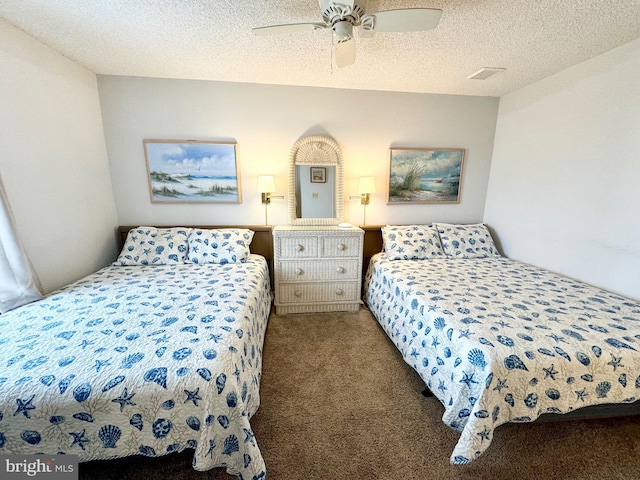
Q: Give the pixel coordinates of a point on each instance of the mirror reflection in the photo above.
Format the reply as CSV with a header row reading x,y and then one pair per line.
x,y
315,191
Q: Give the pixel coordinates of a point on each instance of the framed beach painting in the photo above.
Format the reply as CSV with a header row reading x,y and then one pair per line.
x,y
192,172
425,175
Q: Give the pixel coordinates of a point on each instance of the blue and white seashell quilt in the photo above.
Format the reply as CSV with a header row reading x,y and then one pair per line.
x,y
140,360
497,340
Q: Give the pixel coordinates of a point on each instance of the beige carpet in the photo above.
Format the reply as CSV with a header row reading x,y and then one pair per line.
x,y
338,402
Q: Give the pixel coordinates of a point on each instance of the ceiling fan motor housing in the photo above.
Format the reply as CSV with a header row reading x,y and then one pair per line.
x,y
337,12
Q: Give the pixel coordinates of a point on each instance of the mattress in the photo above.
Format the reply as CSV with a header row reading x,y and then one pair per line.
x,y
498,341
140,360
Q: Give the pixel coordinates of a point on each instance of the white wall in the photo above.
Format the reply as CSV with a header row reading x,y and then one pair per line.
x,y
266,120
53,160
564,191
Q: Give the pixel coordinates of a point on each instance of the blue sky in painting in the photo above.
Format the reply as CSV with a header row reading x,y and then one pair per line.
x,y
438,163
205,159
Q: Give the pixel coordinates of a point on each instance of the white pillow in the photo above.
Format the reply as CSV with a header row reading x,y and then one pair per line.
x,y
467,241
411,242
223,245
154,246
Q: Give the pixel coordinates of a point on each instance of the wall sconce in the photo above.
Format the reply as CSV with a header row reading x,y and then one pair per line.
x,y
366,186
267,186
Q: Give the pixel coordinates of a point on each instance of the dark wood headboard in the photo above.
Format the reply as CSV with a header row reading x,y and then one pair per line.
x,y
262,243
372,244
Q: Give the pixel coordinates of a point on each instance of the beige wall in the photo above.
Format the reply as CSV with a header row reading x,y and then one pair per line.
x,y
565,176
266,120
53,160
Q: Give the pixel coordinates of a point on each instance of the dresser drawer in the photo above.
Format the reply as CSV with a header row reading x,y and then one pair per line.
x,y
319,292
347,246
315,270
298,247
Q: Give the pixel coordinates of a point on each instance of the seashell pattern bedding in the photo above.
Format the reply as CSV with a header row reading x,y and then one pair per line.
x,y
140,360
498,341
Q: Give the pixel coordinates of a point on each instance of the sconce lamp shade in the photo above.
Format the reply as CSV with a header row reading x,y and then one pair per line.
x,y
266,184
366,185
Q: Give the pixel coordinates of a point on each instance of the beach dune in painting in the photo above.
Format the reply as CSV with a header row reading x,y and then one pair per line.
x,y
425,175
192,172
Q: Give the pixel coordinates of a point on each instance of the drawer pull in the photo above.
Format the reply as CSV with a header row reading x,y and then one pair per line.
x,y
298,293
299,248
339,291
340,270
342,247
299,271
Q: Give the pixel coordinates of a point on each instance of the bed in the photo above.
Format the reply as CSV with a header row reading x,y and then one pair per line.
x,y
497,340
157,353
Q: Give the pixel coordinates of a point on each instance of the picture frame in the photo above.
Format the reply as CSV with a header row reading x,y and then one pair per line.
x,y
318,174
425,175
190,171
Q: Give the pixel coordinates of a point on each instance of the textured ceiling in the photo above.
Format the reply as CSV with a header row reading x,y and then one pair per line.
x,y
212,40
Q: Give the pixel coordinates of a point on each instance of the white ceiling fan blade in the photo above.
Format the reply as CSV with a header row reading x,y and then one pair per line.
x,y
290,28
345,52
405,20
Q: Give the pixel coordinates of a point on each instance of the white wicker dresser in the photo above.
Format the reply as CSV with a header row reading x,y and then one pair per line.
x,y
317,268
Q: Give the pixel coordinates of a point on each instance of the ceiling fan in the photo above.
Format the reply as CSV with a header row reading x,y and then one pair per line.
x,y
343,15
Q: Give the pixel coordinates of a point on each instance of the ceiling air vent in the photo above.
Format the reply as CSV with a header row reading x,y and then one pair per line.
x,y
485,73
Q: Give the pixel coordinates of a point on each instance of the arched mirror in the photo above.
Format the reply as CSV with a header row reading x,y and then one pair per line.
x,y
315,182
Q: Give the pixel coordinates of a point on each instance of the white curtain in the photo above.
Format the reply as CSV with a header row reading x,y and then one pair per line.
x,y
18,283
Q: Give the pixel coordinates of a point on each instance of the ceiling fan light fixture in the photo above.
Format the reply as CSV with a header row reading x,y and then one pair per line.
x,y
343,30
485,73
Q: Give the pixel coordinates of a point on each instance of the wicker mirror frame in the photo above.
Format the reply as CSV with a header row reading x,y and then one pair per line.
x,y
318,150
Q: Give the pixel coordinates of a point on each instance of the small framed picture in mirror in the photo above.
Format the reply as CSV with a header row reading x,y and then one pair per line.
x,y
318,174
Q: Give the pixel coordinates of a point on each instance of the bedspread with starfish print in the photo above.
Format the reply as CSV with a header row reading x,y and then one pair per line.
x,y
497,340
144,360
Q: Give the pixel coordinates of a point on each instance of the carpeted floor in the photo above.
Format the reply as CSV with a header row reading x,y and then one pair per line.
x,y
338,402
